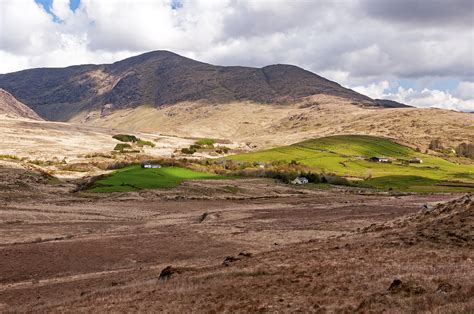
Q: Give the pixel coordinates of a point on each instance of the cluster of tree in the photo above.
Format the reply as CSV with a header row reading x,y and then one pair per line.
x,y
126,138
465,150
436,144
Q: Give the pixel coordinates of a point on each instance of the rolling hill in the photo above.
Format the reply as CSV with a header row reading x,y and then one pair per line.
x,y
348,155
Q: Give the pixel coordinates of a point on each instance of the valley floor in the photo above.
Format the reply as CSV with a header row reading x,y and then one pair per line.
x,y
236,246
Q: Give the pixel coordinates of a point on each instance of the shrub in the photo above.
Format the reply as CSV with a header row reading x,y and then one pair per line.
x,y
188,151
465,150
122,147
195,146
436,144
142,143
222,150
9,157
206,142
126,138
334,179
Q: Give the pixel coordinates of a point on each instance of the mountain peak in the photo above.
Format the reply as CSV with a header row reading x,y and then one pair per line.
x,y
160,78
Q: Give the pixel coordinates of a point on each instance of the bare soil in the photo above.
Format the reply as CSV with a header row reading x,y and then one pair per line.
x,y
232,246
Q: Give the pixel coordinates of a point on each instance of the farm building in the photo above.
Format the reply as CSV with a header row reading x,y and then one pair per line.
x,y
148,165
416,160
300,181
380,159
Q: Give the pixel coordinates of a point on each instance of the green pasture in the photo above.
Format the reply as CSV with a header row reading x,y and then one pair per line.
x,y
135,178
347,156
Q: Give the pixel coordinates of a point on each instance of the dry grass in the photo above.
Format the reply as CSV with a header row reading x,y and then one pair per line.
x,y
273,125
65,252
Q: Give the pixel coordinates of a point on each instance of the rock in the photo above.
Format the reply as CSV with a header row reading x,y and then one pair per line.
x,y
229,260
166,273
395,285
445,288
245,254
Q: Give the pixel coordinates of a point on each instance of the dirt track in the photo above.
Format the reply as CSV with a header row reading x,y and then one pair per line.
x,y
62,250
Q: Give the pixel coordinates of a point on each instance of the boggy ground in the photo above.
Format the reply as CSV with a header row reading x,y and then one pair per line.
x,y
233,246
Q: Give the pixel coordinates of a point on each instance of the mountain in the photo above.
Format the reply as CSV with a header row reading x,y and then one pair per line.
x,y
163,78
162,92
390,103
12,107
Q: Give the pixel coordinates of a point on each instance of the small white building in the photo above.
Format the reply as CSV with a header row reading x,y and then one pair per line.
x,y
300,181
380,159
416,160
148,165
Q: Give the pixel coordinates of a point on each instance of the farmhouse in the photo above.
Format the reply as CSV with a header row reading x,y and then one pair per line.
x,y
300,181
148,165
380,159
416,160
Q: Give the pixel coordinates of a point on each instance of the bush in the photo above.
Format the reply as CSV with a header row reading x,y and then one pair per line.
x,y
195,146
188,151
9,157
465,150
436,144
206,142
142,143
122,147
334,179
126,138
222,150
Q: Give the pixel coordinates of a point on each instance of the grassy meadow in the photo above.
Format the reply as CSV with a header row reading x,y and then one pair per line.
x,y
134,178
347,155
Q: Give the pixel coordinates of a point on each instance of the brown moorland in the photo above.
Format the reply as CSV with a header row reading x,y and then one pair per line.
x,y
232,245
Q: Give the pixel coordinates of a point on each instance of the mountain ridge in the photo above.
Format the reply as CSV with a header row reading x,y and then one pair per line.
x,y
162,78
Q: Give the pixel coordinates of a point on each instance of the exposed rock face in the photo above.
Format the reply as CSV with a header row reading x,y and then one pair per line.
x,y
12,107
163,78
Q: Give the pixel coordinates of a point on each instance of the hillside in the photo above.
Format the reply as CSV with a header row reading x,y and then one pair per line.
x,y
13,108
269,126
391,103
162,78
162,92
349,155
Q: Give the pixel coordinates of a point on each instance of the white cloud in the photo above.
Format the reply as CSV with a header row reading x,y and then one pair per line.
x,y
431,98
358,43
465,90
424,98
374,90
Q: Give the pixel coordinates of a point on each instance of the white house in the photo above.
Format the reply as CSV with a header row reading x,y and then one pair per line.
x,y
300,181
148,165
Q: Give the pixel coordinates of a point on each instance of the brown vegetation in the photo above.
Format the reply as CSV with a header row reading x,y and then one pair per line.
x,y
231,245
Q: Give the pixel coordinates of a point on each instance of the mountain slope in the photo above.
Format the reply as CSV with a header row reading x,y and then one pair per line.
x,y
162,78
12,107
390,103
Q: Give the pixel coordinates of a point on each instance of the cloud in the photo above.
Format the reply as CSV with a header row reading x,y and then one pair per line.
x,y
431,98
465,91
461,99
357,43
374,90
422,12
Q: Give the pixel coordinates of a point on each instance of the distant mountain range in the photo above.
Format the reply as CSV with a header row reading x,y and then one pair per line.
x,y
390,103
164,78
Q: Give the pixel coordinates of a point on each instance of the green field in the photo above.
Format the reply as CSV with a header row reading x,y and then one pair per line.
x,y
347,156
135,178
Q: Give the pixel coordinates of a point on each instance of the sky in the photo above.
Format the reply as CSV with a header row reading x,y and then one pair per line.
x,y
419,52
